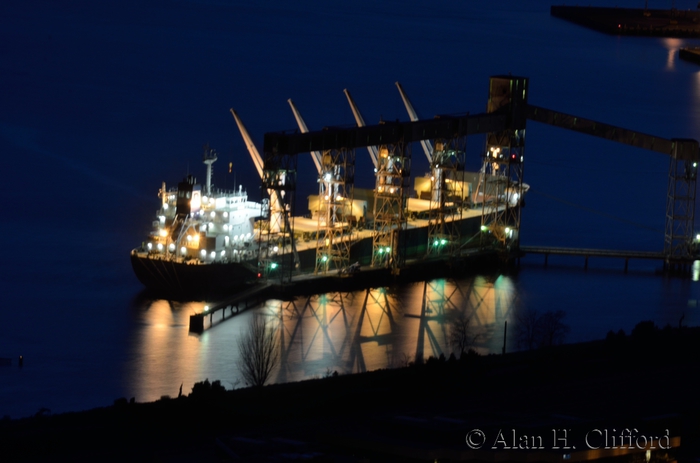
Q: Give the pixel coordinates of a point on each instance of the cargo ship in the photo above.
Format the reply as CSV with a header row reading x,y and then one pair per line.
x,y
205,242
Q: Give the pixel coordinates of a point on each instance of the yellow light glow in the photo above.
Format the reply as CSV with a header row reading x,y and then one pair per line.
x,y
163,232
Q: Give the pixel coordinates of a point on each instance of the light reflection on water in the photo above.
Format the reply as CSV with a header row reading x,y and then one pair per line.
x,y
343,332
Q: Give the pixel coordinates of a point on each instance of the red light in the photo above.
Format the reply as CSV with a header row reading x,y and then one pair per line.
x,y
618,26
259,275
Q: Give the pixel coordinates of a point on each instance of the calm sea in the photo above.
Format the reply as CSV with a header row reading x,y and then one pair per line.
x,y
102,101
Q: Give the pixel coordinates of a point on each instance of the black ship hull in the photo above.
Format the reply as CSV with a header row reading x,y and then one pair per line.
x,y
180,280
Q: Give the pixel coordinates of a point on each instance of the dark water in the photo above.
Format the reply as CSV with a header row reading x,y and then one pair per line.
x,y
103,101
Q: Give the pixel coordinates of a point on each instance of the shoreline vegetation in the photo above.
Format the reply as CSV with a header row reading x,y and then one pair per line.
x,y
645,380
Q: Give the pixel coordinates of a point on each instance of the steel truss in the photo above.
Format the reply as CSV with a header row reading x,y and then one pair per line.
x,y
437,303
680,202
501,183
277,239
391,189
329,323
335,220
502,189
447,195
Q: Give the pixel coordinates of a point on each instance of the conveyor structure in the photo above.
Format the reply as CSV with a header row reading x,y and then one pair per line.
x,y
684,155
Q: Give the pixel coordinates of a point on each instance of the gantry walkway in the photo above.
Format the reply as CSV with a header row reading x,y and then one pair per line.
x,y
587,253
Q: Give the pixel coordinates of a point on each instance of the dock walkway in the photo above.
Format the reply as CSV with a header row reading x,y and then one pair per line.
x,y
236,304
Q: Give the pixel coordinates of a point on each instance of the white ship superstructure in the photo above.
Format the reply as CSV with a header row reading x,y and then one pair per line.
x,y
200,225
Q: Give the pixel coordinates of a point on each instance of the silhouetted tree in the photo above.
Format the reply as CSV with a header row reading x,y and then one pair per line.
x,y
461,336
533,330
526,331
644,331
552,329
259,352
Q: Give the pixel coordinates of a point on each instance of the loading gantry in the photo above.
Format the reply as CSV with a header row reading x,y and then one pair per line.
x,y
447,194
391,188
501,186
392,170
335,219
446,160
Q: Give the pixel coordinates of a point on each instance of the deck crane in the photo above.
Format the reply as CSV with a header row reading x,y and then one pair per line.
x,y
323,166
315,155
361,123
436,173
277,208
427,146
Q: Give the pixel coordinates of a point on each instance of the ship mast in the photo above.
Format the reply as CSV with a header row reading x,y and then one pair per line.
x,y
208,158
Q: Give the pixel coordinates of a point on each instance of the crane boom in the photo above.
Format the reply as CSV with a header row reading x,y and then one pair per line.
x,y
315,155
254,153
373,153
427,146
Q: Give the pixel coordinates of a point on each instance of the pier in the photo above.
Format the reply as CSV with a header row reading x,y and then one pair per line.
x,y
333,282
236,304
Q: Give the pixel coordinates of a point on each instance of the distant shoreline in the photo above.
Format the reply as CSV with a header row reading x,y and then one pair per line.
x,y
632,21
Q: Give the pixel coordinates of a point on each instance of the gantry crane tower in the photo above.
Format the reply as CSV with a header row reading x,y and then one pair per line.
x,y
335,198
392,173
